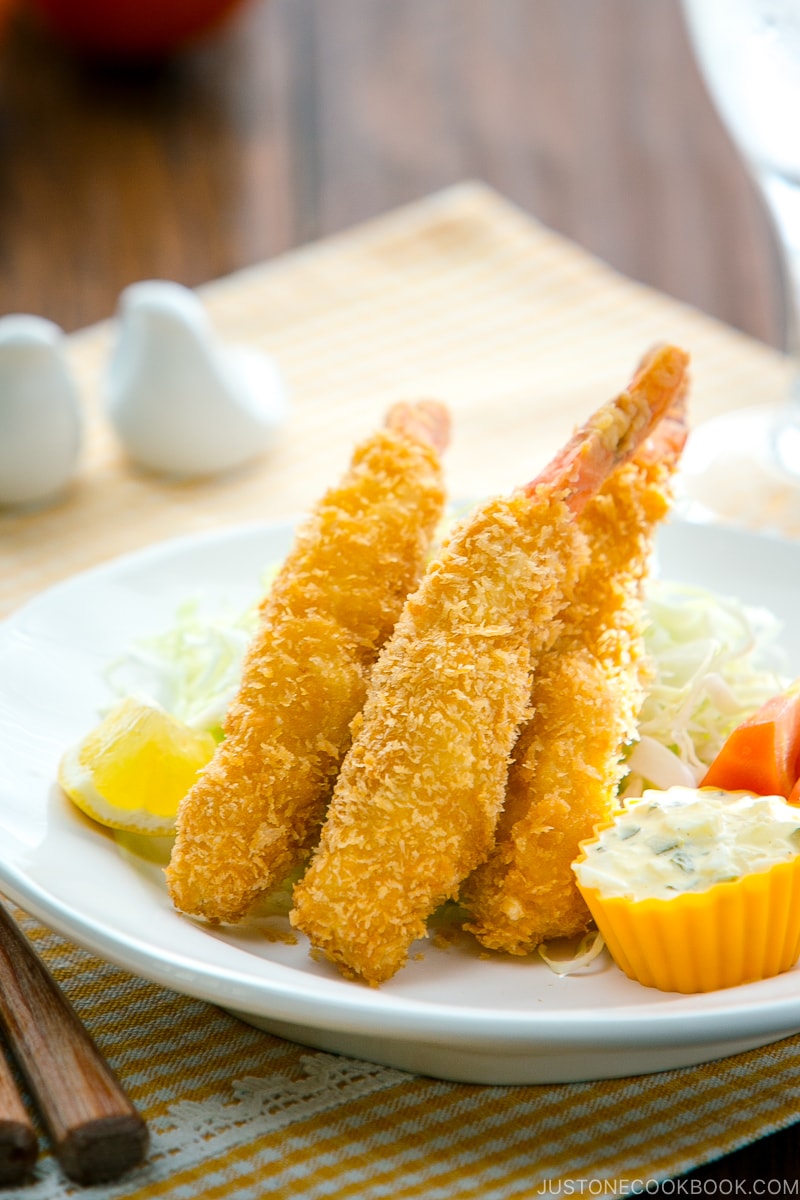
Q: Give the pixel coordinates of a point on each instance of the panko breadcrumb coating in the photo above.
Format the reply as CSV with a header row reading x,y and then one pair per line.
x,y
257,808
417,799
567,763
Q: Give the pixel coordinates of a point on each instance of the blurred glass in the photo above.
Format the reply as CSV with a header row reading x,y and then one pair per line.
x,y
749,53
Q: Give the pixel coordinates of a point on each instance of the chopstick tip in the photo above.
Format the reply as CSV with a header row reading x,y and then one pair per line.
x,y
101,1150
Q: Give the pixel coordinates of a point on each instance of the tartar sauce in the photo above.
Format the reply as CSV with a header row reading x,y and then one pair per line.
x,y
686,839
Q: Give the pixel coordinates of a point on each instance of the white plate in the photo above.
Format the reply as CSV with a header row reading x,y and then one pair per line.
x,y
449,1013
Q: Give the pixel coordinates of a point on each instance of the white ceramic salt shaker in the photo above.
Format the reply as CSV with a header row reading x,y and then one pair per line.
x,y
40,418
182,403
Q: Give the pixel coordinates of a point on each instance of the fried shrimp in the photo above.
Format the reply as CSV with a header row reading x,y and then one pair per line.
x,y
256,810
567,763
416,803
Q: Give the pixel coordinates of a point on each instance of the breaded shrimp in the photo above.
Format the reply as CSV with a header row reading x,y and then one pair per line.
x,y
256,809
417,799
567,763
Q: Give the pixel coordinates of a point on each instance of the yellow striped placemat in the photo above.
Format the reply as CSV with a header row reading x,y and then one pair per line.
x,y
522,333
234,1112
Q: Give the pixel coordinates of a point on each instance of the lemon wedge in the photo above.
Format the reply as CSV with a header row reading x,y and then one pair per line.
x,y
132,771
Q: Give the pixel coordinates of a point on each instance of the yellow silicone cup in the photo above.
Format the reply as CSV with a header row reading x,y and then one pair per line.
x,y
734,932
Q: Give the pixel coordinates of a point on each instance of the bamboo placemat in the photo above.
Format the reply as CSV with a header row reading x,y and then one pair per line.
x,y
523,334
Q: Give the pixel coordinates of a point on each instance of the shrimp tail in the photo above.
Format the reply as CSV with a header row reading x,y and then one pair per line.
x,y
615,432
664,447
421,421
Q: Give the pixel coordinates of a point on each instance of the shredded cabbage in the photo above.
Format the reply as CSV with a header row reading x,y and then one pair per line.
x,y
589,947
713,662
192,669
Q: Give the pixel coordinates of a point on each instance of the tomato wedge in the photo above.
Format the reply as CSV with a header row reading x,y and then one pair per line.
x,y
761,755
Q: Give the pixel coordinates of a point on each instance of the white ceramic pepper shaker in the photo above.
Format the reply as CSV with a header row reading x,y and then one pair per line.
x,y
182,403
40,419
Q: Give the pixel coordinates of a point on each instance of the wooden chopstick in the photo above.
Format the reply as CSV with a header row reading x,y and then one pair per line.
x,y
18,1142
96,1132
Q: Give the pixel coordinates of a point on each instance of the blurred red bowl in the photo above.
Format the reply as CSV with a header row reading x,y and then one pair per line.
x,y
5,9
131,29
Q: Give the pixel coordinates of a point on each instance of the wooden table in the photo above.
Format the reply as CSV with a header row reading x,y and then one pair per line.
x,y
304,117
